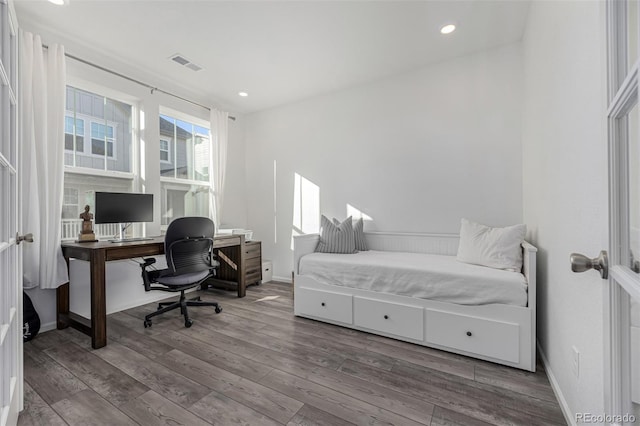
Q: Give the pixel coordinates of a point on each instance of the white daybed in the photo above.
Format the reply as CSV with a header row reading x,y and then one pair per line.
x,y
501,331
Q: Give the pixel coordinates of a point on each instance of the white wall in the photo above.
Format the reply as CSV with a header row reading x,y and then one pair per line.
x,y
565,187
416,152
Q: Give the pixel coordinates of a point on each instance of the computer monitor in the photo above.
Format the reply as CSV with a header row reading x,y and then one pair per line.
x,y
120,207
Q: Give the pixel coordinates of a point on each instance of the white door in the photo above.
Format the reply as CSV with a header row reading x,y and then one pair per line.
x,y
622,316
10,253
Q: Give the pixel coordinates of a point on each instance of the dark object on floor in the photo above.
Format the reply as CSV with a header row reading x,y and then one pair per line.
x,y
188,246
31,319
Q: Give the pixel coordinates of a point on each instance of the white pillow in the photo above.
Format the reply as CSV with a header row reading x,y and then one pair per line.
x,y
498,248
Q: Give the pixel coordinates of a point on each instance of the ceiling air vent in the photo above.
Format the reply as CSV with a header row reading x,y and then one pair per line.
x,y
180,59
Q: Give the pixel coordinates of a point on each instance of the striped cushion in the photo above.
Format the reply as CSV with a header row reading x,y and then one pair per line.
x,y
336,238
358,233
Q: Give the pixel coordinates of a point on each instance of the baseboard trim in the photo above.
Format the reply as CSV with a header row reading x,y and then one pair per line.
x,y
48,326
281,279
568,415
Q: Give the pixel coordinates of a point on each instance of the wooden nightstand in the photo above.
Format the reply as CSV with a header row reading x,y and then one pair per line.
x,y
253,262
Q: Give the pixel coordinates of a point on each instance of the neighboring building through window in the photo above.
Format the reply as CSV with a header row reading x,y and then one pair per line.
x,y
185,153
98,154
73,134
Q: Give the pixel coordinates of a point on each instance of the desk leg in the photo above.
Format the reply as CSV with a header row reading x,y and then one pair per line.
x,y
62,306
98,300
62,302
242,284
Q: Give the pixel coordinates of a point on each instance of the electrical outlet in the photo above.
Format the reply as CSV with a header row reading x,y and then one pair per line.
x,y
576,361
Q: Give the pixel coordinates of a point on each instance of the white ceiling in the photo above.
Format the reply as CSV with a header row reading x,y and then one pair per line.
x,y
278,52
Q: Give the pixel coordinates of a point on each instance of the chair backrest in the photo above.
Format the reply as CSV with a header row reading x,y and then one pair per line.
x,y
188,244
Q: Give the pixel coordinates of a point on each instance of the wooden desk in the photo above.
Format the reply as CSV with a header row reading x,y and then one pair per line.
x,y
97,254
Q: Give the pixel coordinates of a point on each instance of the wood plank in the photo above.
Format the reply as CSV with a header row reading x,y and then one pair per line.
x,y
48,378
525,382
337,403
209,352
447,394
331,346
48,340
37,412
167,383
262,399
313,355
391,400
236,341
153,409
443,417
500,397
223,410
109,382
312,416
88,408
123,334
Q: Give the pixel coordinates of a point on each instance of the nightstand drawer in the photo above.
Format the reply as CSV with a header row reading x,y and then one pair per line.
x,y
252,250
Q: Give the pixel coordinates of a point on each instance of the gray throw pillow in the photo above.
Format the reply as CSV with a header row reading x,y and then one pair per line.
x,y
336,238
358,234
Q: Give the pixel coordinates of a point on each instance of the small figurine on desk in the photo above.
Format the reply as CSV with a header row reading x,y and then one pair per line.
x,y
86,235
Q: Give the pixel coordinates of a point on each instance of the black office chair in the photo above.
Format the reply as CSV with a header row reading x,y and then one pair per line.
x,y
188,246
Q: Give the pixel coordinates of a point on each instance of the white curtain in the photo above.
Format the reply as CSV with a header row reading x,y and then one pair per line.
x,y
41,135
218,162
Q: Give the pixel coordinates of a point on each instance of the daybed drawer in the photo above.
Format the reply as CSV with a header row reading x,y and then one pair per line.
x,y
325,304
496,339
394,318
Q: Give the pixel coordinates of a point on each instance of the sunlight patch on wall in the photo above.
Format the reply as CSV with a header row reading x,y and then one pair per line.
x,y
357,213
306,207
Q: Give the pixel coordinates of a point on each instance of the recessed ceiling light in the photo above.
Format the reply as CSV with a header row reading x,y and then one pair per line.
x,y
57,2
243,94
448,29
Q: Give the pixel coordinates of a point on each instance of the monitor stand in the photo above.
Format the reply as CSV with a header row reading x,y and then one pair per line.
x,y
121,238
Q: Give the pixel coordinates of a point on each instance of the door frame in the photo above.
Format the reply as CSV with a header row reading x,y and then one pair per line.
x,y
622,96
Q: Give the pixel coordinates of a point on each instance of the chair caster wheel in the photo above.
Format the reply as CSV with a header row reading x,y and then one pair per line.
x,y
188,323
147,323
218,309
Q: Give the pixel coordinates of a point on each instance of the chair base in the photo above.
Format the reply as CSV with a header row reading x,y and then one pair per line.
x,y
182,304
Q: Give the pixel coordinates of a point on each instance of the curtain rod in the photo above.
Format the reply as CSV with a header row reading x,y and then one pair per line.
x,y
133,80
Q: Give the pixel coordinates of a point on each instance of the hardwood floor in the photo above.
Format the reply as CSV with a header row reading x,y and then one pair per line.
x,y
257,364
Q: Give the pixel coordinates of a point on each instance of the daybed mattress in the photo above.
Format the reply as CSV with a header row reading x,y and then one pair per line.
x,y
425,276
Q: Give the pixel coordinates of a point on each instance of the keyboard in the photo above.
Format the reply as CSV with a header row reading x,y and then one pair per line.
x,y
127,240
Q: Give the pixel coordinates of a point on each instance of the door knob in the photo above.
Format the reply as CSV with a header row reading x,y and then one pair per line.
x,y
27,238
581,263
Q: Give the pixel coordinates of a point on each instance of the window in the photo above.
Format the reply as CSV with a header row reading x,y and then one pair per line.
x,y
101,134
190,144
104,163
164,150
185,152
73,134
70,205
109,123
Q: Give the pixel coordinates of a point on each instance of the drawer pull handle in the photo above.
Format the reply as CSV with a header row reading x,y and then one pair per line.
x,y
322,303
386,317
469,333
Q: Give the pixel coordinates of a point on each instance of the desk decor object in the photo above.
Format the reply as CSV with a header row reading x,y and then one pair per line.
x,y
86,235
